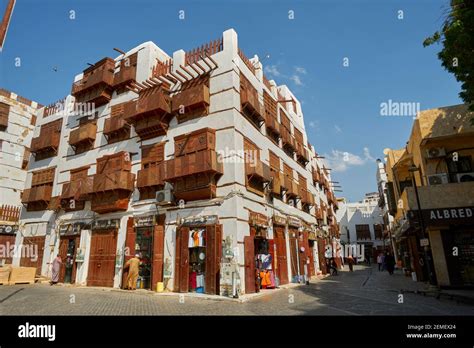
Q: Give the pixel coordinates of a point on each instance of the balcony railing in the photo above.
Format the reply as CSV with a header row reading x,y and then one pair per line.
x,y
258,170
152,176
272,124
85,134
287,139
249,101
100,75
116,181
37,194
442,196
47,141
77,189
207,161
9,213
154,102
115,125
191,99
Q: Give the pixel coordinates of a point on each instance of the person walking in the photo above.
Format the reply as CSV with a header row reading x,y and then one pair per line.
x,y
133,266
390,263
380,258
350,261
56,270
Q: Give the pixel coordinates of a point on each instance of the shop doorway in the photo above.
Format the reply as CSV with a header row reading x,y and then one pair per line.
x,y
321,256
67,251
312,268
102,258
37,243
294,263
148,242
461,266
281,261
7,240
197,259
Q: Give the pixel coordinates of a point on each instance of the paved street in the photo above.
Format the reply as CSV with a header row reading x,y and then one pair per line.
x,y
362,292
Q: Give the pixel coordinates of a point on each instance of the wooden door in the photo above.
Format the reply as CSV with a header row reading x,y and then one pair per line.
x,y
181,268
321,258
7,241
158,247
129,249
294,256
213,259
312,271
282,263
249,262
38,244
102,258
63,248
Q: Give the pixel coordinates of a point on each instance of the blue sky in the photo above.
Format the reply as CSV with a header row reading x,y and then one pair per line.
x,y
341,104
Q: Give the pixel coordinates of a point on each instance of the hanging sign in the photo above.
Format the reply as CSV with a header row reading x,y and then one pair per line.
x,y
279,220
105,224
200,220
294,222
149,220
257,219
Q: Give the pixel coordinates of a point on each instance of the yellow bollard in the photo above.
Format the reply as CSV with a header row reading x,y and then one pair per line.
x,y
159,287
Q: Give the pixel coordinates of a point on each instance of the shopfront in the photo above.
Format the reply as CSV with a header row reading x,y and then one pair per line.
x,y
312,252
145,237
198,255
103,253
69,244
32,252
451,243
259,255
280,252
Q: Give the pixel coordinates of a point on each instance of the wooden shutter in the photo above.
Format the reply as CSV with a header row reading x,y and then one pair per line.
x,y
213,258
321,257
130,244
42,177
153,154
4,111
288,171
79,173
285,121
117,110
298,136
158,247
274,162
249,262
181,269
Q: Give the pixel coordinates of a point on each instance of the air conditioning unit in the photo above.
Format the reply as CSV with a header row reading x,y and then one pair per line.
x,y
436,152
438,179
164,197
464,177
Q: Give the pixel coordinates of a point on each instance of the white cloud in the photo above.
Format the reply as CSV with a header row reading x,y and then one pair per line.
x,y
272,70
337,128
296,79
300,70
340,161
367,155
312,124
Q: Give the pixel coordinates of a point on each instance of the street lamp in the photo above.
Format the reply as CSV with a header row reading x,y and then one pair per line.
x,y
412,169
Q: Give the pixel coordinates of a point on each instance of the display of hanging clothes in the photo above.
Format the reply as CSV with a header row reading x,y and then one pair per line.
x,y
196,238
272,280
264,261
200,281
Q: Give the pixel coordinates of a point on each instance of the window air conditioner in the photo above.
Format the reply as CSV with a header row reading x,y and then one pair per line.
x,y
438,179
164,197
436,152
464,177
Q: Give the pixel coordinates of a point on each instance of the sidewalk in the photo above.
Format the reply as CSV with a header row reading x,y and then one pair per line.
x,y
241,299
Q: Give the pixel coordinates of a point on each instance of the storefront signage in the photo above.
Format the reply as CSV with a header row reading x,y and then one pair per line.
x,y
149,220
294,222
104,224
279,220
257,219
8,229
424,242
200,220
73,229
443,216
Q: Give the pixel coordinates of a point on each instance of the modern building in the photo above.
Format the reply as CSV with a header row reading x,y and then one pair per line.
x,y
430,193
194,160
17,122
361,223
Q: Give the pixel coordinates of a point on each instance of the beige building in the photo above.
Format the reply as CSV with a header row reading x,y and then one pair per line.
x,y
439,158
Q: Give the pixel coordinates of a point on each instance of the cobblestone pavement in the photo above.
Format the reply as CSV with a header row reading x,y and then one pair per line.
x,y
362,292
